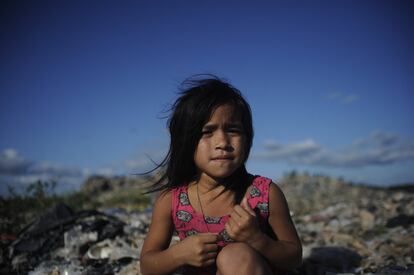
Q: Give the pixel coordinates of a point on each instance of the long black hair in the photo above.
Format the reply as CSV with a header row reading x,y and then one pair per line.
x,y
200,96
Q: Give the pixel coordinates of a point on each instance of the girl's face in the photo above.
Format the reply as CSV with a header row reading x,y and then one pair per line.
x,y
221,148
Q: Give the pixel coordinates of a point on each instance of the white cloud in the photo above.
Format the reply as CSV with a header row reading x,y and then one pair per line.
x,y
137,163
17,170
105,171
47,168
379,148
295,150
343,98
347,99
377,138
11,163
142,163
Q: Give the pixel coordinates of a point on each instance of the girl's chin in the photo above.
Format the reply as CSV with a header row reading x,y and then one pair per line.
x,y
218,177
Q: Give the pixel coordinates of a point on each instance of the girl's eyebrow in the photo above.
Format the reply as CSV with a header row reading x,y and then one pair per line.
x,y
210,126
234,125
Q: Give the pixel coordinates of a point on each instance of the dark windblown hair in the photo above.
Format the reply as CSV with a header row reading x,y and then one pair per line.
x,y
199,98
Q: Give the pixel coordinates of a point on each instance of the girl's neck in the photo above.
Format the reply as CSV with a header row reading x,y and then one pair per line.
x,y
210,189
211,198
208,184
234,186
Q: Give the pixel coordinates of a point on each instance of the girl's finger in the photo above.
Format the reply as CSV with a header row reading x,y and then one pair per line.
x,y
233,225
211,248
245,204
211,255
208,237
229,230
209,262
234,213
241,212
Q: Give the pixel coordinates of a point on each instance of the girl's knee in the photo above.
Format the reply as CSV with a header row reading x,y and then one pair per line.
x,y
238,257
233,253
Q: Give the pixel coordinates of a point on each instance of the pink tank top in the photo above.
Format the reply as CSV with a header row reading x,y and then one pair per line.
x,y
188,222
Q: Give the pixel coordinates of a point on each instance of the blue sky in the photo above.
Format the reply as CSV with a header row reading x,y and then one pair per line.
x,y
84,83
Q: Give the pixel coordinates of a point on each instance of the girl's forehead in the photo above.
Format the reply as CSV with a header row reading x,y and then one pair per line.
x,y
227,113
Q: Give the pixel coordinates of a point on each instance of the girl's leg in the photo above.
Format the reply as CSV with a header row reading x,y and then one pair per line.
x,y
241,259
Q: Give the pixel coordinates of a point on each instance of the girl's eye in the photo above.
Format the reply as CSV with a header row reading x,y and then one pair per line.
x,y
206,132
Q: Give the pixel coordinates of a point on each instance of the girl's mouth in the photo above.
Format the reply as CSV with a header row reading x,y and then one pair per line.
x,y
222,158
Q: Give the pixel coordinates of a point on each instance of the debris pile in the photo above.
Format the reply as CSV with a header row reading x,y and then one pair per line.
x,y
344,229
354,229
86,242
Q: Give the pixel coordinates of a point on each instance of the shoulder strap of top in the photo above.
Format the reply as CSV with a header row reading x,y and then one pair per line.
x,y
179,199
262,183
175,199
258,196
174,203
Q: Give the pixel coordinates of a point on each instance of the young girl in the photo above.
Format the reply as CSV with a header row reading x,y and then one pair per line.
x,y
228,221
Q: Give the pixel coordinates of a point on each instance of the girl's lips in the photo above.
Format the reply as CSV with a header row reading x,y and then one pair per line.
x,y
223,158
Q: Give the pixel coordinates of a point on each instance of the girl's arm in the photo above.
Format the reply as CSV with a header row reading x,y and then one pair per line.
x,y
283,253
157,257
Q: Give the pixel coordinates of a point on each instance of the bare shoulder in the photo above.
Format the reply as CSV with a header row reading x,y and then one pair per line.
x,y
276,197
279,216
162,205
164,197
161,227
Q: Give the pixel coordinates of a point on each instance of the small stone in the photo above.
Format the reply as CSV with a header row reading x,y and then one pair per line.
x,y
400,220
367,219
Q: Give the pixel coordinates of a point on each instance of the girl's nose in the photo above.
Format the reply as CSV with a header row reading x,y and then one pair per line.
x,y
222,140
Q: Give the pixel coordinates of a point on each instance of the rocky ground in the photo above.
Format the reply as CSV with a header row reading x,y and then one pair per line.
x,y
344,229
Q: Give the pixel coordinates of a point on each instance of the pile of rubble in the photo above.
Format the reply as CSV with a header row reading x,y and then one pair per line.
x,y
344,229
87,242
349,228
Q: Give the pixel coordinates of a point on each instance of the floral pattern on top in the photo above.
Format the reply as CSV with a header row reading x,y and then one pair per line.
x,y
188,222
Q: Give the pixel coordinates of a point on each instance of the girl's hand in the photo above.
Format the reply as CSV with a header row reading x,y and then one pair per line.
x,y
198,250
243,225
